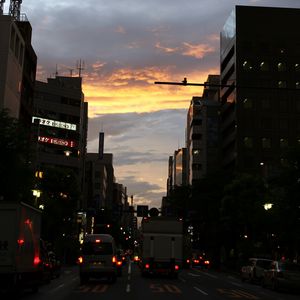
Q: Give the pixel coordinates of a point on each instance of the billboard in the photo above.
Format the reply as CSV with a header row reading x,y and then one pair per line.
x,y
56,141
54,123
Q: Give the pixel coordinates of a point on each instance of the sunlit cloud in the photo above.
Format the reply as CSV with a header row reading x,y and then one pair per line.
x,y
120,29
165,49
197,50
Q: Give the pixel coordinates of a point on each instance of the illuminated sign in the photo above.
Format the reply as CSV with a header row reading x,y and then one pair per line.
x,y
55,141
53,123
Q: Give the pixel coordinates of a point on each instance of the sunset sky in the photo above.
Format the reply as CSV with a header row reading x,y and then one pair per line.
x,y
126,45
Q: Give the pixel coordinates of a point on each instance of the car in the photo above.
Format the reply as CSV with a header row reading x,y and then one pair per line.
x,y
98,258
200,260
253,270
282,275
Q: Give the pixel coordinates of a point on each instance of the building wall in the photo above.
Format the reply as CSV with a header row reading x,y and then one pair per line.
x,y
12,47
260,117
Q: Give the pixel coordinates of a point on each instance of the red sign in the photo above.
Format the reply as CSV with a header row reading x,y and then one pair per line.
x,y
56,141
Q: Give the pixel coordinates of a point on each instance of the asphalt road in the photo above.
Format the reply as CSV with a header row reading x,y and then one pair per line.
x,y
191,284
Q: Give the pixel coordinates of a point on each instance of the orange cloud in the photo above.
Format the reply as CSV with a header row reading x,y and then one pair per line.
x,y
133,90
165,49
198,51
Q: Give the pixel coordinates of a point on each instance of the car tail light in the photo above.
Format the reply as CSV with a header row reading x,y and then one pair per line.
x,y
188,261
206,262
176,267
119,263
114,259
36,260
20,242
196,261
147,266
80,259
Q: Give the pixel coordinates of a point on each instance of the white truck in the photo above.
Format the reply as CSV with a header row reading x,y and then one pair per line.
x,y
162,246
20,260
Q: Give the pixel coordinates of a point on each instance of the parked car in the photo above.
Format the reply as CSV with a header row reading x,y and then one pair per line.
x,y
282,275
254,269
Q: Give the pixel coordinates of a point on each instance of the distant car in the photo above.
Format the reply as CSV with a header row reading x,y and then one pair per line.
x,y
200,260
253,271
282,275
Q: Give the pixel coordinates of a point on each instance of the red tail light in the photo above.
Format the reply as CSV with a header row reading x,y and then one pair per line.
x,y
176,267
188,261
206,262
80,259
36,260
20,242
114,259
147,266
119,263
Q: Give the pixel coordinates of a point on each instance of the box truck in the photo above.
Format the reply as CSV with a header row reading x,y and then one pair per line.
x,y
162,245
20,260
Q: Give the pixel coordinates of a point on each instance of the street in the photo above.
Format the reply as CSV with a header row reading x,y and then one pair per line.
x,y
191,284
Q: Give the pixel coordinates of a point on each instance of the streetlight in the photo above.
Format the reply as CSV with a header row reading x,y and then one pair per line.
x,y
268,206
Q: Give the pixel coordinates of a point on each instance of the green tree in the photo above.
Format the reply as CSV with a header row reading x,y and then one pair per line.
x,y
15,160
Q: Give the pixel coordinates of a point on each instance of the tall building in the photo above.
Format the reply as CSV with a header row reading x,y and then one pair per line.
x,y
202,132
180,167
260,94
12,48
60,125
17,67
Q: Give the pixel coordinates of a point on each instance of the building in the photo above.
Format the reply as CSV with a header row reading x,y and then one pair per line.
x,y
60,125
202,132
180,167
260,93
12,48
17,66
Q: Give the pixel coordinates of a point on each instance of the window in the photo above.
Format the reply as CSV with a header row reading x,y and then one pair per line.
x,y
248,142
248,103
264,66
297,85
197,167
196,152
281,67
283,143
102,248
297,67
266,143
247,66
283,124
281,84
196,136
266,104
283,105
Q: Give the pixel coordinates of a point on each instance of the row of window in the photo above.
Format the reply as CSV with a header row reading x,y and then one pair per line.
x,y
266,142
282,104
265,66
16,45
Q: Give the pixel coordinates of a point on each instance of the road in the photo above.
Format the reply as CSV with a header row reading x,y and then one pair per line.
x,y
191,284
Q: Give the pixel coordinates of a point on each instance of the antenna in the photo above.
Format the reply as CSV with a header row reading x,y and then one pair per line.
x,y
80,67
56,70
1,6
15,9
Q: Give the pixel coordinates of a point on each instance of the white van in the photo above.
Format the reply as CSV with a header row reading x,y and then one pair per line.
x,y
98,258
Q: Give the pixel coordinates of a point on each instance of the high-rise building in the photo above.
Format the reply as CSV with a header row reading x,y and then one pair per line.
x,y
60,125
202,132
180,167
17,67
260,94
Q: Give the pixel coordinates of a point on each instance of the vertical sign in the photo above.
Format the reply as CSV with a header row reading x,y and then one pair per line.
x,y
101,145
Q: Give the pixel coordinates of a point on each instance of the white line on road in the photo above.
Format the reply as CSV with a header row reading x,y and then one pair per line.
x,y
128,288
181,279
194,275
57,288
128,278
199,290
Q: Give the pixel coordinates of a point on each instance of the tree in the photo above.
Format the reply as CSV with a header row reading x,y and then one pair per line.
x,y
15,160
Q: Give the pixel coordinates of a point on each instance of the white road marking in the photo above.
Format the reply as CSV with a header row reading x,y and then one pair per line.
x,y
207,274
57,288
194,275
181,279
128,278
199,290
128,288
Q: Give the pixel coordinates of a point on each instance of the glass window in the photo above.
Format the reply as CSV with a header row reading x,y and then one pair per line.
x,y
266,104
196,151
247,66
283,143
264,66
248,142
282,84
298,85
266,143
281,67
248,103
297,67
101,248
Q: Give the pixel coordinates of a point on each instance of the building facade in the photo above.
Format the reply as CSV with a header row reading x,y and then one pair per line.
x,y
260,93
60,125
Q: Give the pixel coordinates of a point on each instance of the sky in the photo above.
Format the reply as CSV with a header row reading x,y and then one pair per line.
x,y
127,45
